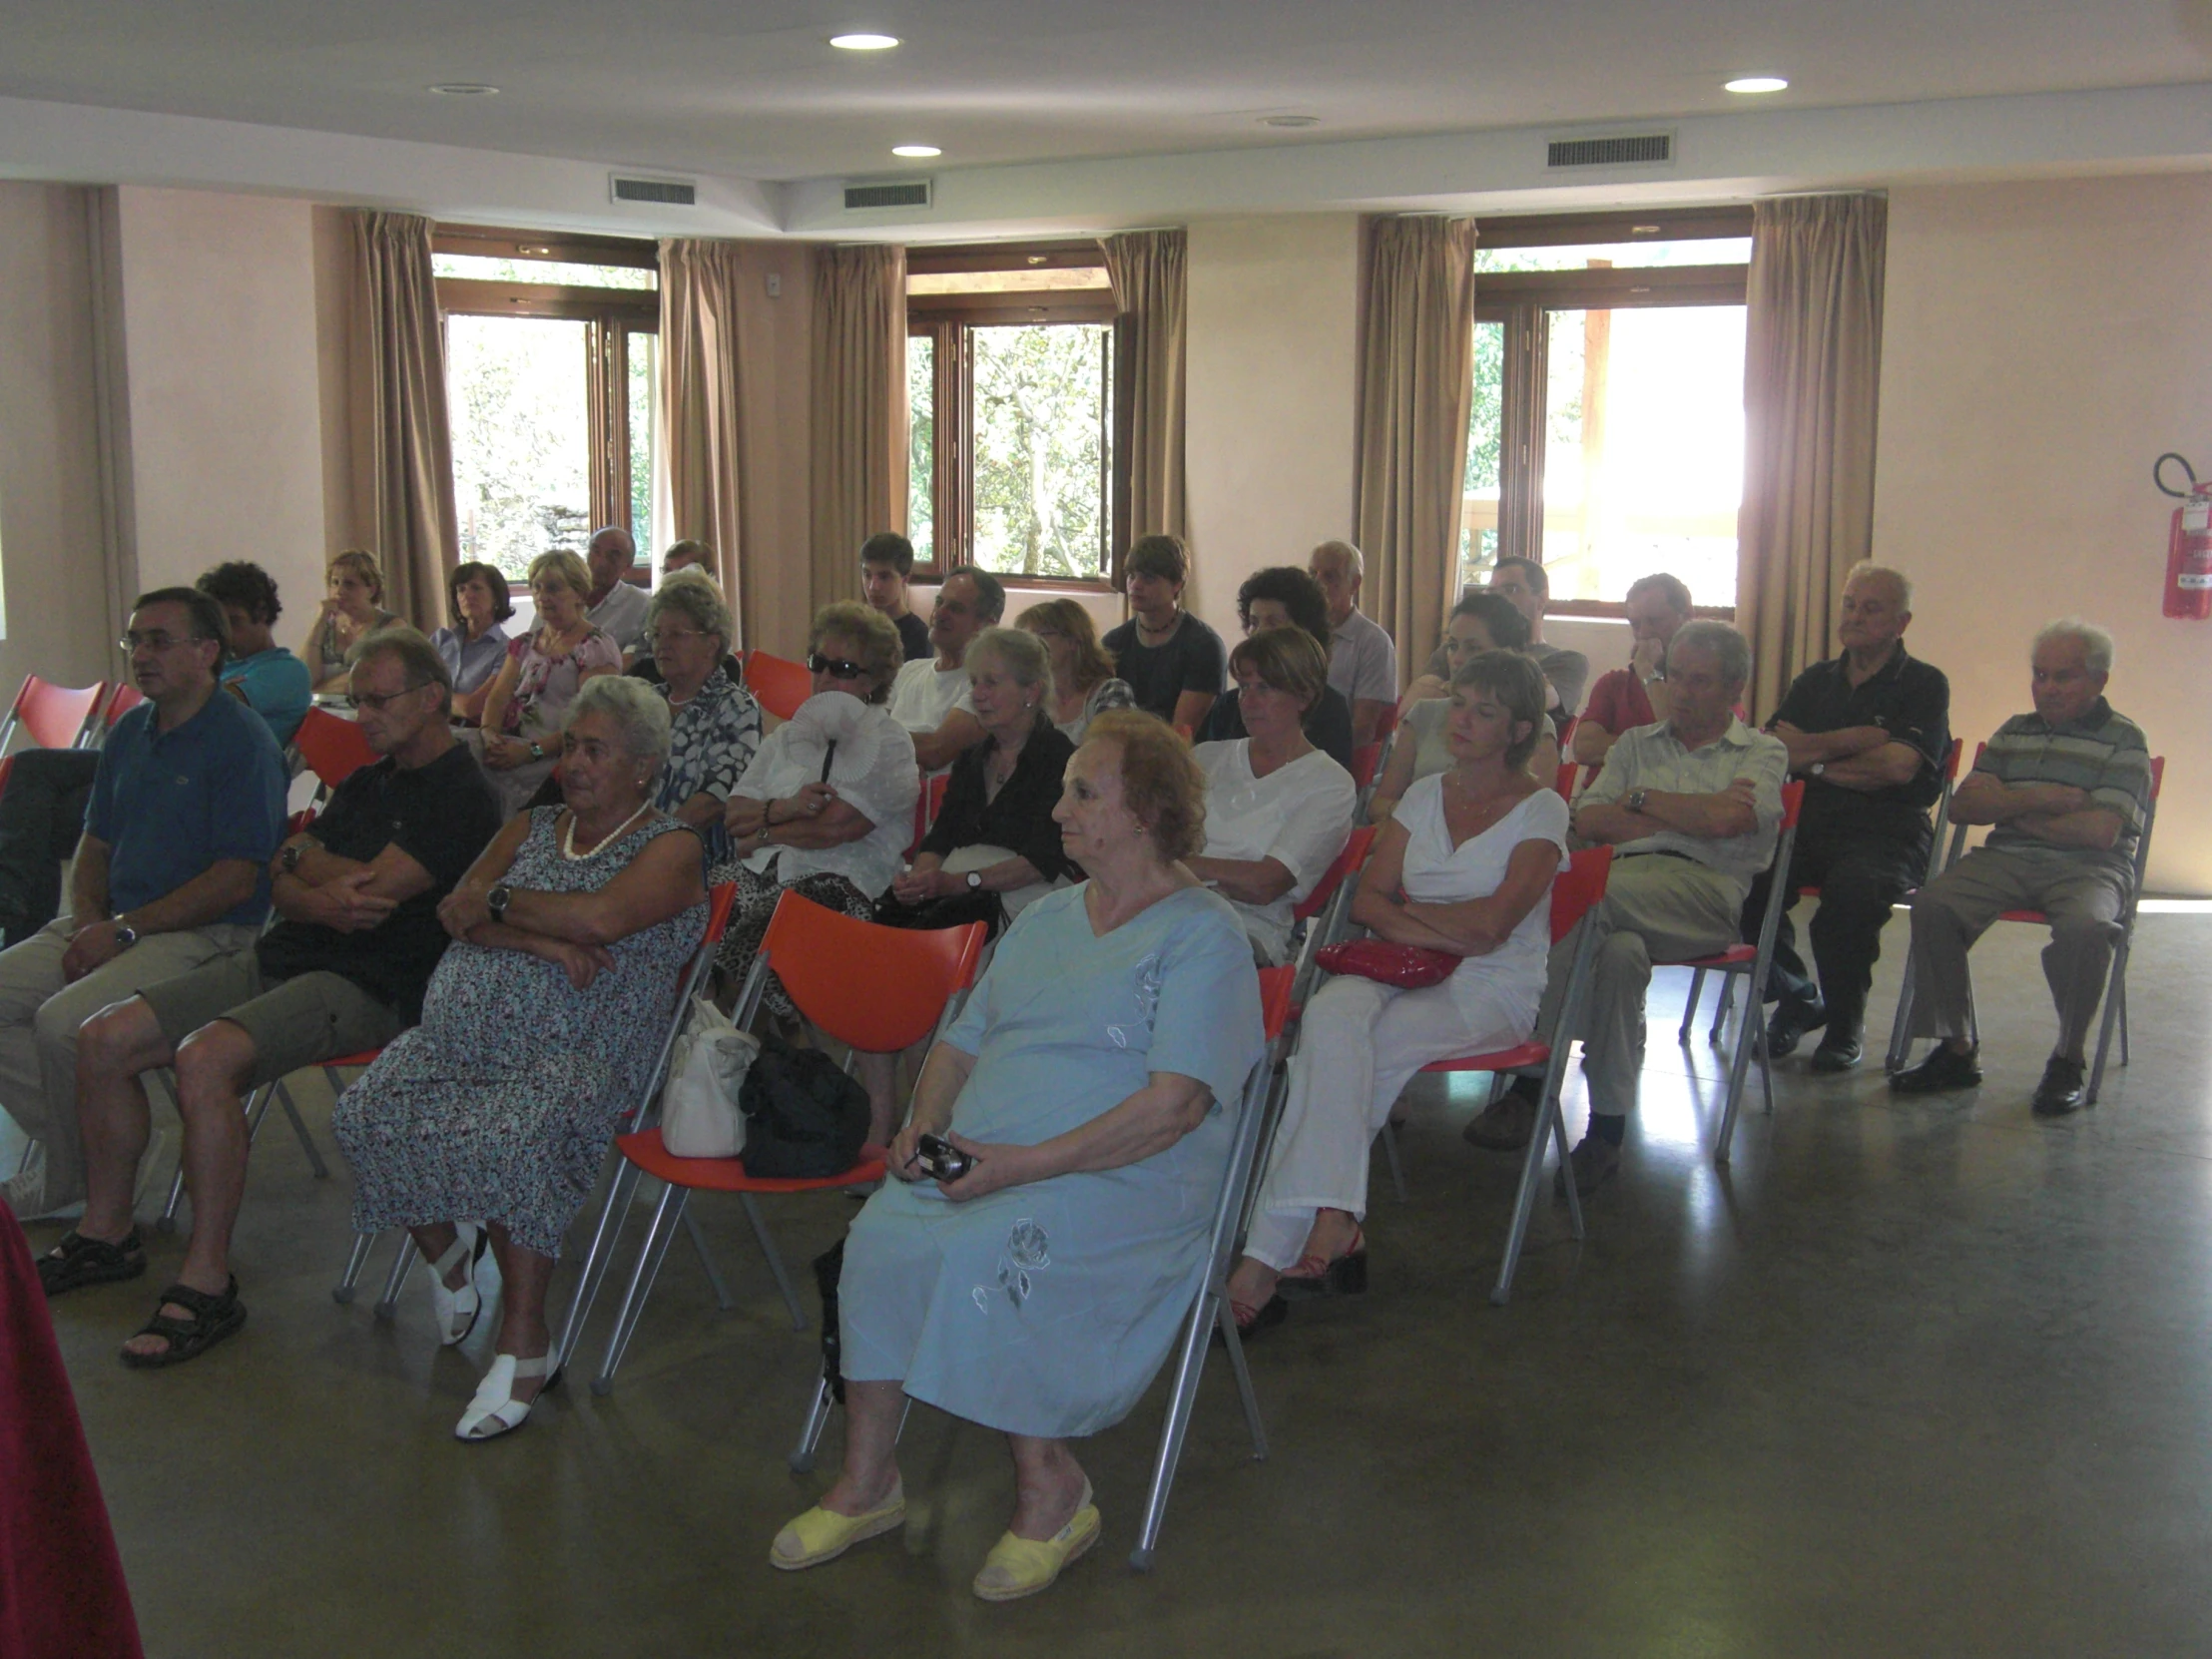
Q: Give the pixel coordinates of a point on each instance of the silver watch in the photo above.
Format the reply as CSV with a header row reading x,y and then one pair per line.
x,y
1636,798
974,879
124,935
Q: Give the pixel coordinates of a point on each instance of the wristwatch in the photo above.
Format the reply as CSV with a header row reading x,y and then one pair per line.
x,y
1636,799
289,859
124,935
497,899
974,879
537,751
1815,769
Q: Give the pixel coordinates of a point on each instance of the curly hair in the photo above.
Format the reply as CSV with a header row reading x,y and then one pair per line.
x,y
244,585
691,594
1293,590
881,651
1161,785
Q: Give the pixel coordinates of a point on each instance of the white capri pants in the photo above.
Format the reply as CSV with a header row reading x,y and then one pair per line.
x,y
1361,1044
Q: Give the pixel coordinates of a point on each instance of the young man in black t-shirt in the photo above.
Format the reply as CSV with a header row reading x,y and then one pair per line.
x,y
344,970
886,562
1173,662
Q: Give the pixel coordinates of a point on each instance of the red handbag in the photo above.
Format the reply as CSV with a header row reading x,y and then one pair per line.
x,y
1408,967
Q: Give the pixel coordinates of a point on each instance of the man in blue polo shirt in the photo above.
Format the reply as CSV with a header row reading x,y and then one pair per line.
x,y
172,872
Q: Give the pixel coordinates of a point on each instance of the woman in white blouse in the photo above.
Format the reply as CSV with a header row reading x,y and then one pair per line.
x,y
1278,809
827,805
1464,868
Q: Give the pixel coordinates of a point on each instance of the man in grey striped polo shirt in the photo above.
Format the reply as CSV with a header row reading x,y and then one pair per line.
x,y
2065,791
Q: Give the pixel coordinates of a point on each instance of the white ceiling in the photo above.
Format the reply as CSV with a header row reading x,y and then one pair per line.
x,y
751,90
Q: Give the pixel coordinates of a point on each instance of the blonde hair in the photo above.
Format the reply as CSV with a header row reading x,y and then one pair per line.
x,y
565,567
1093,665
1161,783
361,563
1288,659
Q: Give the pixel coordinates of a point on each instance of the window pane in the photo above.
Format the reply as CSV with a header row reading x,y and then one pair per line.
x,y
483,269
921,439
1078,278
1703,251
645,404
1644,450
1041,413
522,438
1486,457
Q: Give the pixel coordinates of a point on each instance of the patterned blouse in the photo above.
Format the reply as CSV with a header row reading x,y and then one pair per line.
x,y
711,741
545,685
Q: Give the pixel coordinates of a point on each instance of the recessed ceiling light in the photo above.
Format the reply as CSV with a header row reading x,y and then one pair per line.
x,y
916,152
1756,82
1290,121
863,42
465,89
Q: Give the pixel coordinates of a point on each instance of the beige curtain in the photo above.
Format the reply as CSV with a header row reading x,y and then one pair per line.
x,y
699,405
403,446
1416,381
1146,268
859,410
1812,373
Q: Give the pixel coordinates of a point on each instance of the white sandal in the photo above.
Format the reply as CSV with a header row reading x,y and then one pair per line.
x,y
495,1411
457,1309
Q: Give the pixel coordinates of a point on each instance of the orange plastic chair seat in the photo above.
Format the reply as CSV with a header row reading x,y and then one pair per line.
x,y
1520,1058
1736,955
727,1174
2037,917
368,1056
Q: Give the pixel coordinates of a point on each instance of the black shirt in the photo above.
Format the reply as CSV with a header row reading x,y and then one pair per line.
x,y
1019,819
1908,699
914,636
441,816
1193,659
1327,723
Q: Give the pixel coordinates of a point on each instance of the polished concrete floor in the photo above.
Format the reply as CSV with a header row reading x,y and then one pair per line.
x,y
1910,1378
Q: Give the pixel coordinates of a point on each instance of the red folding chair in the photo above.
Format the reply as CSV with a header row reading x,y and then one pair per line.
x,y
926,807
121,702
877,990
332,747
777,684
1321,913
51,716
2115,985
1752,961
1366,760
1388,724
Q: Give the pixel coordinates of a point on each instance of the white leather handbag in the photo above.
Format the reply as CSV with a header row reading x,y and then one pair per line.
x,y
699,1117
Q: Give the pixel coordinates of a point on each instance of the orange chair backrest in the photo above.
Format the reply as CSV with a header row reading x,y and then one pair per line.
x,y
1793,800
1364,759
1346,862
1562,781
2157,774
1275,998
1388,724
333,746
719,899
127,697
874,988
926,807
1577,888
54,715
776,683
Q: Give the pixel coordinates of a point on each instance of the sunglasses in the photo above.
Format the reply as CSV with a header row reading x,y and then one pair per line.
x,y
836,667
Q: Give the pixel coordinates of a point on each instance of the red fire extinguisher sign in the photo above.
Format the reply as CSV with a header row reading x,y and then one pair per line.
x,y
2188,544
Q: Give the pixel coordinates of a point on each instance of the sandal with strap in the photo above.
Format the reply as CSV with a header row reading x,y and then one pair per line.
x,y
1252,1320
1344,1275
77,1261
457,1309
209,1319
1018,1568
495,1411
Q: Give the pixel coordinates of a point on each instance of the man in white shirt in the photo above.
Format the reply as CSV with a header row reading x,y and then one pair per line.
x,y
930,695
616,606
1692,807
1362,659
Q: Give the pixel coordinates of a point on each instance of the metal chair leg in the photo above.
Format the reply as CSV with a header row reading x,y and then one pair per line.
x,y
1197,1326
1389,1138
2115,1011
723,1298
665,1214
1751,1035
1722,1009
300,1130
403,1259
342,1292
802,1456
1689,1008
597,1258
1242,1372
775,1261
1551,1127
1900,1028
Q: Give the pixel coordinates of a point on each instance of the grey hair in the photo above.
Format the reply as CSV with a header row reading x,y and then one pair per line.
x,y
418,658
619,536
637,708
2096,643
1729,647
691,594
1017,651
1343,550
1887,573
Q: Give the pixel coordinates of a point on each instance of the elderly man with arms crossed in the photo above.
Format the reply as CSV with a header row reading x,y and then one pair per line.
x,y
343,972
1868,732
930,695
1363,658
187,807
1690,806
2065,791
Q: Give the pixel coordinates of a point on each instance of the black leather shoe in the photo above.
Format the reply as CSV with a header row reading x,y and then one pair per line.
x,y
2060,1090
1940,1073
1838,1052
1792,1018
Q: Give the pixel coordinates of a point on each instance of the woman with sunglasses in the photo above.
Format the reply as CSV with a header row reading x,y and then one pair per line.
x,y
827,805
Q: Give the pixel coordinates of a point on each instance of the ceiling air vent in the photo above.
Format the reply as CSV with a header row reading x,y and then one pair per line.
x,y
662,193
902,192
1615,150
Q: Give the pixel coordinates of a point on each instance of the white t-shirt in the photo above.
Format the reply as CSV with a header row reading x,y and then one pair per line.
x,y
1436,872
872,771
924,693
1298,814
1363,660
622,615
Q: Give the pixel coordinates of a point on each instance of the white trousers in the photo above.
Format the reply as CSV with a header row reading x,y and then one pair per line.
x,y
1359,1045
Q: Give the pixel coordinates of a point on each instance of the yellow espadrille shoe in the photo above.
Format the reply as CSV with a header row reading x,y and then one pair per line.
x,y
823,1535
1018,1568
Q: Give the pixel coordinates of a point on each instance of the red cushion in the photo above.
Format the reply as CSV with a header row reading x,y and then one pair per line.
x,y
1520,1058
2037,917
1736,955
727,1174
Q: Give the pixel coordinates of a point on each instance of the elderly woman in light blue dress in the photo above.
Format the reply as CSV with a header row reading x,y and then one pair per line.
x,y
1092,1076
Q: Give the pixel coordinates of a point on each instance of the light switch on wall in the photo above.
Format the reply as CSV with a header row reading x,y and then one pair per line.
x,y
775,284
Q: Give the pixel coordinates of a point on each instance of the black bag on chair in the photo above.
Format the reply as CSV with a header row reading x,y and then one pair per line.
x,y
804,1118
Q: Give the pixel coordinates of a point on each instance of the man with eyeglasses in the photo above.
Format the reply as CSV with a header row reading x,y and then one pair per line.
x,y
931,697
188,805
342,972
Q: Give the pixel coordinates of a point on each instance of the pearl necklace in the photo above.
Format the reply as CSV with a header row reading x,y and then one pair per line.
x,y
568,835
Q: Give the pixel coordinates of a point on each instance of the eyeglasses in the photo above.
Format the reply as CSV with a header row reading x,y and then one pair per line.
x,y
836,667
379,701
668,638
155,641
